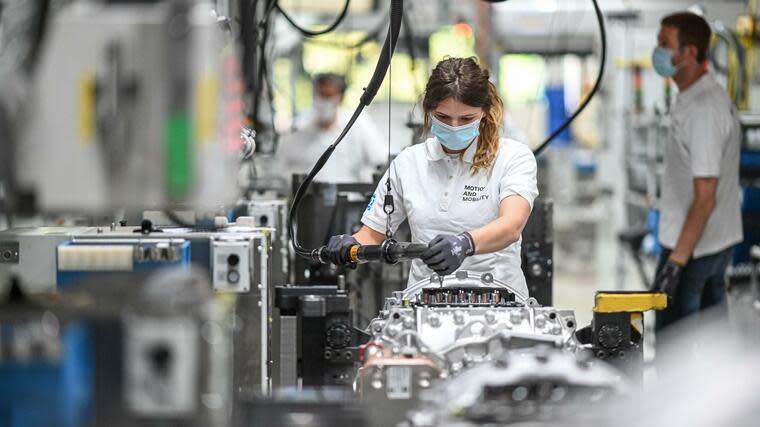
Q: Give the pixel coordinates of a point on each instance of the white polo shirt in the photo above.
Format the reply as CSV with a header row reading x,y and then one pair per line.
x,y
356,159
438,193
705,141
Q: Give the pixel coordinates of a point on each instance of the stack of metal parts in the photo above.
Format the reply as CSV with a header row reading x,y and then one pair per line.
x,y
473,333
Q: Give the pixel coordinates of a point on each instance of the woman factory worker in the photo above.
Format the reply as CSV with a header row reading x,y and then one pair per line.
x,y
466,191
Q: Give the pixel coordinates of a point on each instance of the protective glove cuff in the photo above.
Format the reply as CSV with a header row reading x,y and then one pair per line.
x,y
469,243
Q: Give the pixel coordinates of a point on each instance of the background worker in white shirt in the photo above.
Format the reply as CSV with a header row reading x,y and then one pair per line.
x,y
466,191
700,217
362,153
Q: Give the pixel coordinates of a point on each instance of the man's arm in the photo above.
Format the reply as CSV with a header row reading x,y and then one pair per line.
x,y
699,213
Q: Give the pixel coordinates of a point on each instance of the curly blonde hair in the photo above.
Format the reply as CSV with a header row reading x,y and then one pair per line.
x,y
464,80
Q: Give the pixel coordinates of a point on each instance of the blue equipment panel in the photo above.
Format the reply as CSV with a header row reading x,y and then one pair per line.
x,y
147,256
44,392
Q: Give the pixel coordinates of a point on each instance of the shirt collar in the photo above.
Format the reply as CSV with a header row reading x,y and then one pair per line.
x,y
435,151
693,92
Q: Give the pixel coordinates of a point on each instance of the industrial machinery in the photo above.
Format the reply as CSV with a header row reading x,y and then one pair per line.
x,y
139,100
537,257
329,209
437,329
339,208
317,343
270,213
235,262
492,355
151,347
616,331
538,386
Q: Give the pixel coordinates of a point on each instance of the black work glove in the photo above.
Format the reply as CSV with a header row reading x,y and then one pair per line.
x,y
668,278
446,252
338,247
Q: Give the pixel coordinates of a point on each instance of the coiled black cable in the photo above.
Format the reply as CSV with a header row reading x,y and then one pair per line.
x,y
594,90
309,33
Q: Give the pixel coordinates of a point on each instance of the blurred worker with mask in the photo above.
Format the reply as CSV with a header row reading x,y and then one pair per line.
x,y
700,218
466,191
357,158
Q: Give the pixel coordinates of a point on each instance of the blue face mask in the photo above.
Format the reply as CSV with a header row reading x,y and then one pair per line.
x,y
662,61
455,138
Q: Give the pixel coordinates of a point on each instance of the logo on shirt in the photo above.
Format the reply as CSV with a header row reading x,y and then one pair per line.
x,y
473,193
371,201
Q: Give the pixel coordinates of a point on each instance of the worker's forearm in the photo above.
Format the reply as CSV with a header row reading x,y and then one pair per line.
x,y
496,235
368,236
696,220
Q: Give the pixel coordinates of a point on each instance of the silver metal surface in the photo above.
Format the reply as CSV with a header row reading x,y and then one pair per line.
x,y
288,357
36,269
537,385
272,213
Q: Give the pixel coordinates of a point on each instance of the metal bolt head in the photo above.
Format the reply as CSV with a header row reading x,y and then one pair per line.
x,y
458,317
371,351
392,330
540,321
408,322
516,316
424,382
490,317
434,320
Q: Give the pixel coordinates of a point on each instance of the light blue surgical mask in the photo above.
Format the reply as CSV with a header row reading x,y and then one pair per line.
x,y
662,61
455,138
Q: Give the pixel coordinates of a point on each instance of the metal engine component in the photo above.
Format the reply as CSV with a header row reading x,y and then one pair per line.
x,y
431,332
467,322
462,279
541,385
456,337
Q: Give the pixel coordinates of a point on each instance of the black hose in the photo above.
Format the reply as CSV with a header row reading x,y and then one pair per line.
x,y
309,33
371,36
383,62
594,90
397,13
